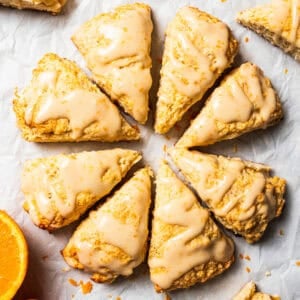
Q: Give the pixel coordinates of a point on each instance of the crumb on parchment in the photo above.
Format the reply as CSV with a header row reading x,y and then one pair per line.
x,y
241,256
73,282
118,298
246,39
66,269
268,273
247,257
281,232
285,71
86,287
248,270
298,263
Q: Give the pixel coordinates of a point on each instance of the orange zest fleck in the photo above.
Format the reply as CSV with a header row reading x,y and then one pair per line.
x,y
73,282
86,288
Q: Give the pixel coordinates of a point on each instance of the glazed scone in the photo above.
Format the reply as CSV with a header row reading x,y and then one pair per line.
x,y
61,104
244,101
186,245
59,189
198,48
278,22
248,292
53,6
112,241
242,195
116,47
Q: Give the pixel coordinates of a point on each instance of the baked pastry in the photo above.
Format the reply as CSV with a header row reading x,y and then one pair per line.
x,y
248,292
59,189
112,241
244,101
53,6
278,22
242,195
198,48
61,104
186,245
116,47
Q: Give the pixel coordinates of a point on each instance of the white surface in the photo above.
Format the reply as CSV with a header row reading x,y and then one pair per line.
x,y
25,36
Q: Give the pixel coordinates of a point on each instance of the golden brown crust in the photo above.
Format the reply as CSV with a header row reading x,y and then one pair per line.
x,y
53,7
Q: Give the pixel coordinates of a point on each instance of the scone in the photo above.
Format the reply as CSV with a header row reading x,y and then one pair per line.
x,y
186,245
61,104
198,48
242,195
278,22
248,292
59,189
244,101
53,6
112,241
116,47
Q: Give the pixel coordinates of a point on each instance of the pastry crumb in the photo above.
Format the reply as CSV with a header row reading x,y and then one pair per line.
x,y
298,263
246,39
86,287
248,270
241,256
268,273
247,257
165,148
285,71
281,232
223,1
118,298
73,282
66,269
167,297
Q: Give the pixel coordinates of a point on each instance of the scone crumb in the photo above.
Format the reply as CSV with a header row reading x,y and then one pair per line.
x,y
86,287
241,256
118,298
223,1
285,71
73,282
281,232
66,269
276,298
298,263
165,148
247,257
248,270
246,39
268,273
167,297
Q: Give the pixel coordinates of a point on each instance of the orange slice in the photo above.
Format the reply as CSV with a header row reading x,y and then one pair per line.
x,y
13,257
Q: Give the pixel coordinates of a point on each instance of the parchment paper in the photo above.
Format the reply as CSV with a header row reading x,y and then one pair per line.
x,y
26,35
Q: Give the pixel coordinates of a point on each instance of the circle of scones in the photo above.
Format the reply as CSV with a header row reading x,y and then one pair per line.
x,y
62,104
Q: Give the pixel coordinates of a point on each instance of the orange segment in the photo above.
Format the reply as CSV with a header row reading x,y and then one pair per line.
x,y
13,257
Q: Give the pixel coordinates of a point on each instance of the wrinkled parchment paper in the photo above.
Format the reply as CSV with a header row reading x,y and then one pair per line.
x,y
26,35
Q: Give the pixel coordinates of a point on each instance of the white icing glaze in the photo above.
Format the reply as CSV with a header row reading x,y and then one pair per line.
x,y
177,205
194,57
123,59
51,186
82,108
214,177
128,234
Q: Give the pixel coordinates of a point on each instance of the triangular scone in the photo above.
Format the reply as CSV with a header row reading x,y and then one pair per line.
x,y
198,48
53,6
244,101
186,245
242,195
116,47
248,292
61,104
278,22
112,241
59,189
